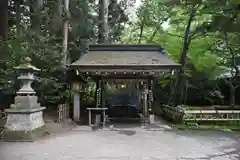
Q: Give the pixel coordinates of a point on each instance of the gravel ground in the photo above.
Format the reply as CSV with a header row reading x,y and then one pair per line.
x,y
126,142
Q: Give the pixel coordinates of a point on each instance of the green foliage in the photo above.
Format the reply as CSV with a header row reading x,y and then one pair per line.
x,y
117,18
88,96
37,33
160,22
45,55
166,26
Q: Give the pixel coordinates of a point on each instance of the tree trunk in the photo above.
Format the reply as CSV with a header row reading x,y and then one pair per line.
x,y
229,82
141,32
153,35
232,94
3,19
18,16
56,23
35,17
3,27
66,59
179,83
103,21
233,74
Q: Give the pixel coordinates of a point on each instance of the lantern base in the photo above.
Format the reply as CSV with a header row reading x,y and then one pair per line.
x,y
24,124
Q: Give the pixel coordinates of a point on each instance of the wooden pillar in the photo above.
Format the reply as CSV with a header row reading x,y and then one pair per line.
x,y
150,102
98,101
98,93
150,93
76,100
102,84
76,106
145,99
89,118
103,89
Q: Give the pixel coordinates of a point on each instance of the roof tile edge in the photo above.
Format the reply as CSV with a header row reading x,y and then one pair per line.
x,y
126,47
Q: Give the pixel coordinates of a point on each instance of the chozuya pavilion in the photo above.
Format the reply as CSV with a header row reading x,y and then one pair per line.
x,y
131,67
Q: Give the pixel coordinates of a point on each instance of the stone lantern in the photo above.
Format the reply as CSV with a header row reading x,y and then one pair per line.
x,y
25,116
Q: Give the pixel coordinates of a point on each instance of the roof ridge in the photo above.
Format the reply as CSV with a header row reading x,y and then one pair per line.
x,y
126,47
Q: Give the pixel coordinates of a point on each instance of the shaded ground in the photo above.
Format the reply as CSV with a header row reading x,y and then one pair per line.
x,y
126,142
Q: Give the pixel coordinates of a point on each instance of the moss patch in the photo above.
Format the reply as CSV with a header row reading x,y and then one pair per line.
x,y
27,136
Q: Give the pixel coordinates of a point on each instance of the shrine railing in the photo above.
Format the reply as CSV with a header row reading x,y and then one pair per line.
x,y
63,112
181,115
211,115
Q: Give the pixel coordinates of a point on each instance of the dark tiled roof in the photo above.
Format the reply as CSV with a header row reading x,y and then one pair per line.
x,y
124,55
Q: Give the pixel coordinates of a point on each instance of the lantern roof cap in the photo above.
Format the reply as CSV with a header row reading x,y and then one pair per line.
x,y
26,65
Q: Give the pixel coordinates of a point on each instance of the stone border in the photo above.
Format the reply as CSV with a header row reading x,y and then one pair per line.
x,y
192,128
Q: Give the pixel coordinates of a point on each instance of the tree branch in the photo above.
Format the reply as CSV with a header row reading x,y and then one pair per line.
x,y
198,36
141,32
233,57
157,28
171,34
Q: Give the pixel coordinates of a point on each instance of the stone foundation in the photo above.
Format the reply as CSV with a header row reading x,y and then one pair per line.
x,y
25,102
24,124
25,136
151,118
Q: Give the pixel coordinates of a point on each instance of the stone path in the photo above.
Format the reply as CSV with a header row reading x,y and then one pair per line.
x,y
126,142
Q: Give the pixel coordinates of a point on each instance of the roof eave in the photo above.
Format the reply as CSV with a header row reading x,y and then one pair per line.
x,y
170,66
